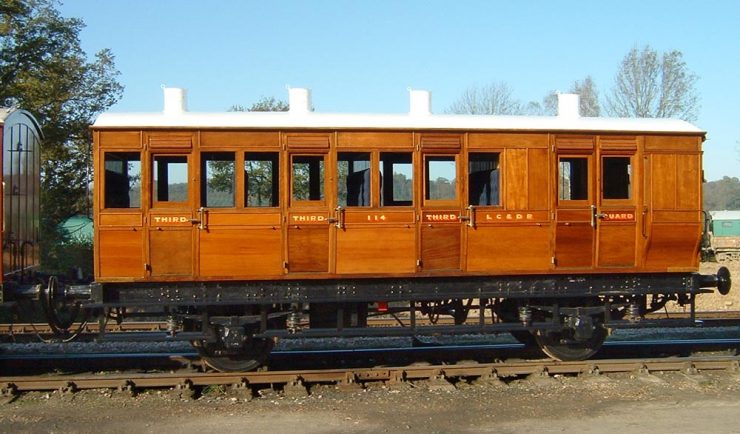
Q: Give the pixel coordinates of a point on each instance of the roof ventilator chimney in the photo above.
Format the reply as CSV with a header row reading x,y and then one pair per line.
x,y
299,100
175,100
569,105
420,102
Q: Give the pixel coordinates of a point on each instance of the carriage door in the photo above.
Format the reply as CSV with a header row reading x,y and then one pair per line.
x,y
595,214
616,215
441,228
575,214
310,213
171,219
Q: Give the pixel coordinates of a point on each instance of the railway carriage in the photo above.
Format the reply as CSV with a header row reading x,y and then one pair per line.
x,y
246,227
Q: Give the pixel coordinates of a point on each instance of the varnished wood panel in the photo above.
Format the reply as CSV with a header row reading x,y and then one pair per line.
x,y
440,247
677,216
242,252
539,176
121,253
509,248
574,245
120,139
663,181
243,219
516,191
618,142
308,140
120,219
673,245
247,139
308,249
503,140
380,140
574,142
616,246
447,142
370,250
171,252
672,143
169,140
688,182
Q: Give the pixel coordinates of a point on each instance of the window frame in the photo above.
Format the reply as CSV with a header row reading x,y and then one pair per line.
x,y
308,202
617,201
104,189
155,203
589,181
500,155
454,202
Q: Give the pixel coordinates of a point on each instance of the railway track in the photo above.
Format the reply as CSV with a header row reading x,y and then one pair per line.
x,y
93,328
300,381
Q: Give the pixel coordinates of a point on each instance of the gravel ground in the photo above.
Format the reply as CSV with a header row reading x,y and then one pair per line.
x,y
661,403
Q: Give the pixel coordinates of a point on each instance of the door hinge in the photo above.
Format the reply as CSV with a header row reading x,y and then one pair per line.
x,y
418,262
553,260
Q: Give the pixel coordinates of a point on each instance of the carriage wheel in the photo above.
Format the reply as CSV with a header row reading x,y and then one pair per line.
x,y
562,345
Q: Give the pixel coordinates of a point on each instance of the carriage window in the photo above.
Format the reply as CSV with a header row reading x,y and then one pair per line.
x,y
483,179
261,177
573,178
440,178
170,178
217,180
398,189
353,179
122,180
308,177
616,179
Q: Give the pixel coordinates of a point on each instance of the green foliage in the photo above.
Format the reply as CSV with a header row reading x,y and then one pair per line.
x,y
61,253
44,70
723,194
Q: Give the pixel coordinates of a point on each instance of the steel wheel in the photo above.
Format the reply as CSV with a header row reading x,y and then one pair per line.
x,y
561,345
252,356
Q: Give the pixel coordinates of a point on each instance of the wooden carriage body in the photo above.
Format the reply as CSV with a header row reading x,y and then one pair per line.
x,y
300,195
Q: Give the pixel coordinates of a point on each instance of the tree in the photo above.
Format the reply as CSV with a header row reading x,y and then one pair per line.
x,y
652,85
494,99
589,97
44,70
259,171
722,194
264,104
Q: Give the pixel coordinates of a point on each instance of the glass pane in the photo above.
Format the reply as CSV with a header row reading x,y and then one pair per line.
x,y
122,180
217,185
400,191
483,179
617,178
353,179
573,180
308,177
261,175
170,178
441,178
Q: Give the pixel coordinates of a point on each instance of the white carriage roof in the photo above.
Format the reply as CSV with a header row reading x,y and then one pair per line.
x,y
418,118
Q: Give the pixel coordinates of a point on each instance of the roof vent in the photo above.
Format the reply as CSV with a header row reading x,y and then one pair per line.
x,y
175,100
569,105
420,102
299,100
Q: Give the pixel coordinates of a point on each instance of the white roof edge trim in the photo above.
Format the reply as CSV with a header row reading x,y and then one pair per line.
x,y
388,121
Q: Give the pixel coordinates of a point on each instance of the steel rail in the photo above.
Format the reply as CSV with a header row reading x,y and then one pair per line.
x,y
359,376
161,326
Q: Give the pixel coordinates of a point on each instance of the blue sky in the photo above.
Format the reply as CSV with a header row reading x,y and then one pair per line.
x,y
361,56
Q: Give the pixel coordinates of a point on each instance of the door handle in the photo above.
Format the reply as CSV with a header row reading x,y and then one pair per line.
x,y
338,219
596,215
201,220
470,218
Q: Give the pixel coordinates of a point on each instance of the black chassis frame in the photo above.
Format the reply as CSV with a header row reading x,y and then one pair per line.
x,y
549,291
193,294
